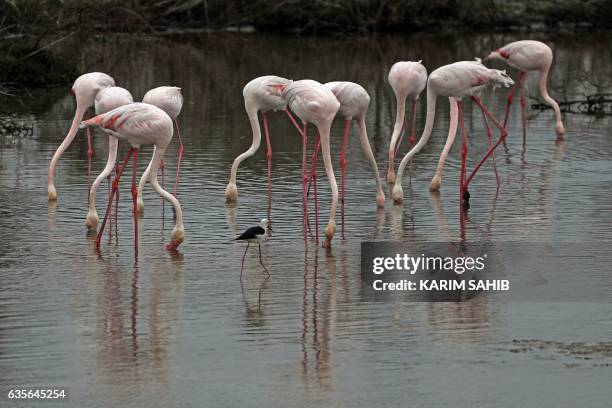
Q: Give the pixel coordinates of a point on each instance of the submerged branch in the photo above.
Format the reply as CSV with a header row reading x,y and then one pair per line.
x,y
599,104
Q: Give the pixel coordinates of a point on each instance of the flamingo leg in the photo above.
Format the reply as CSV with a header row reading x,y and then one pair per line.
x,y
299,129
269,157
110,199
510,99
523,103
347,129
180,158
502,137
304,177
135,202
315,156
163,186
399,142
490,137
117,170
412,129
313,178
89,156
269,145
261,262
242,267
463,203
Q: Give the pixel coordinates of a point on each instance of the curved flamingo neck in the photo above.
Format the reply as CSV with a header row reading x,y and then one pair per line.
x,y
400,113
544,91
78,117
324,131
431,114
256,129
365,144
158,155
110,164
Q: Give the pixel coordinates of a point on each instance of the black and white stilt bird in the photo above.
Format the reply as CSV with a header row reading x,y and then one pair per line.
x,y
254,235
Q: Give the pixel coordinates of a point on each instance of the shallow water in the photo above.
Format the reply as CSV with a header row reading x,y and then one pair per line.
x,y
180,330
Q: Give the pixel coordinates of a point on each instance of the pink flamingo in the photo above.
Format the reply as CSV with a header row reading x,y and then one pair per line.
x,y
138,124
170,100
529,55
260,95
106,100
408,79
354,102
457,80
316,104
85,89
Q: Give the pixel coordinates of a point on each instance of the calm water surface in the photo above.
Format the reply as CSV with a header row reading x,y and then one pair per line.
x,y
180,329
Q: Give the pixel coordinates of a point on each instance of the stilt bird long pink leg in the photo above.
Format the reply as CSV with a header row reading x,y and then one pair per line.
x,y
261,262
242,267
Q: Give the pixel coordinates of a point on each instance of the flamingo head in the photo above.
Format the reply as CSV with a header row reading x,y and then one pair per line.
x,y
176,238
87,86
231,192
498,54
92,220
397,194
380,199
329,233
52,192
277,89
501,79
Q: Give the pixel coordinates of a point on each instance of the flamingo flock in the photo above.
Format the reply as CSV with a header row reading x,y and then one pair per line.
x,y
305,102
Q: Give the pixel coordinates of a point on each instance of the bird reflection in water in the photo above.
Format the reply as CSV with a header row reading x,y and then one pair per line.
x,y
320,335
130,349
254,315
